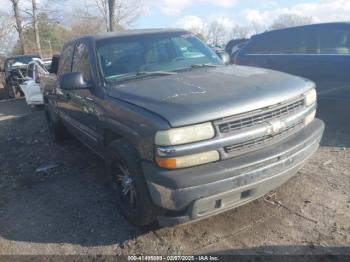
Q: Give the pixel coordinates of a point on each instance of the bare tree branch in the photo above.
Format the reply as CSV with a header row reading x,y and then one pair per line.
x,y
290,20
102,6
118,13
36,28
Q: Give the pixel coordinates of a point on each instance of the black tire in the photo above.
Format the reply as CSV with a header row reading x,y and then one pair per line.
x,y
122,159
9,91
57,130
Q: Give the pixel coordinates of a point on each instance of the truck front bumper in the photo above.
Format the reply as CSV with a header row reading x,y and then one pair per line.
x,y
195,193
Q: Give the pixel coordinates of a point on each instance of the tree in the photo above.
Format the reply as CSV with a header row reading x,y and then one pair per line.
x,y
290,20
239,32
116,14
36,29
257,28
111,9
52,36
78,25
7,33
18,26
216,33
103,7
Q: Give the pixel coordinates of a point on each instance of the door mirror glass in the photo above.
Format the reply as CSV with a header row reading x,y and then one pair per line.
x,y
72,81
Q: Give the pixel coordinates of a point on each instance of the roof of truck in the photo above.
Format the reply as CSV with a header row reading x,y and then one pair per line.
x,y
133,32
126,33
137,32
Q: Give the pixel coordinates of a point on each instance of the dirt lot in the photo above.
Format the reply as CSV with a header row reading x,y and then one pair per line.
x,y
70,209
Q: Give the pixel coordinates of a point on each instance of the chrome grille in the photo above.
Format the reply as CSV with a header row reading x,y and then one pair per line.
x,y
258,118
247,145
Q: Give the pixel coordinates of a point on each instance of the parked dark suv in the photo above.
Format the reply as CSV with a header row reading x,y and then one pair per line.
x,y
184,136
320,52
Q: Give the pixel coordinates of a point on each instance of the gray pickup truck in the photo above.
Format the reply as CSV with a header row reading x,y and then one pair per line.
x,y
183,135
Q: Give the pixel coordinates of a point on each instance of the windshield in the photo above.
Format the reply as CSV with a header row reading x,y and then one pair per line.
x,y
161,53
18,61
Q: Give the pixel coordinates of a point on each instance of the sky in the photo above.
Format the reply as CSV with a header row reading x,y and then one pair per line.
x,y
190,14
194,13
186,13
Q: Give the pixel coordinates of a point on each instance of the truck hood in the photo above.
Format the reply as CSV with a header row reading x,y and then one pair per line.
x,y
205,94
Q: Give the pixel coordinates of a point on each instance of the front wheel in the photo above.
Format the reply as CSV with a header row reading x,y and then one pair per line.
x,y
133,198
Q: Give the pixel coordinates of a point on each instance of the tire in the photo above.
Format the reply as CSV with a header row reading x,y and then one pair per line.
x,y
58,131
9,91
123,168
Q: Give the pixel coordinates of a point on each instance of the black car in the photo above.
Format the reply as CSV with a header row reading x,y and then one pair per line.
x,y
320,52
234,45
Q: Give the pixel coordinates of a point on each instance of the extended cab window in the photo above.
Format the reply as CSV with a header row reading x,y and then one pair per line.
x,y
285,42
65,63
81,61
334,41
125,56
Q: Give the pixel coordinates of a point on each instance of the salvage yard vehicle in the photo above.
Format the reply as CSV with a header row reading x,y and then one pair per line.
x,y
233,46
184,137
15,69
320,52
30,87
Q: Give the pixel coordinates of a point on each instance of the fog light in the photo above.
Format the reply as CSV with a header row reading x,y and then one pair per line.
x,y
187,161
310,118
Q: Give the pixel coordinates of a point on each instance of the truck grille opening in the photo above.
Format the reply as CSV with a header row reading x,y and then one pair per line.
x,y
247,145
230,126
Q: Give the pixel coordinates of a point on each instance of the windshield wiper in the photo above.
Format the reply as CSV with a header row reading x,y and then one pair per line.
x,y
140,74
154,73
203,65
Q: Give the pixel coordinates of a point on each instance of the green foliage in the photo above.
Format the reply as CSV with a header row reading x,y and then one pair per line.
x,y
52,36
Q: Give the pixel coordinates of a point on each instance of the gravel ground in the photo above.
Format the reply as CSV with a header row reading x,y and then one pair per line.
x,y
70,209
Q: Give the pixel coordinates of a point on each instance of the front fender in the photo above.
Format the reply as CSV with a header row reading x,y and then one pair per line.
x,y
137,125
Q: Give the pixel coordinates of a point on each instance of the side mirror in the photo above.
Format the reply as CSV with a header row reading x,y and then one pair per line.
x,y
225,57
72,81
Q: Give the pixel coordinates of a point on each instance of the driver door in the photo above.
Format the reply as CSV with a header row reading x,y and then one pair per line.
x,y
81,101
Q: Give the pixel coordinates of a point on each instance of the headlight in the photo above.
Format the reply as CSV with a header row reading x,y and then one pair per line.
x,y
310,118
187,161
184,135
310,97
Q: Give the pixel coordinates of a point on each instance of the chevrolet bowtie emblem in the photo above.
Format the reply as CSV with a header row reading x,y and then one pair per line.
x,y
275,127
